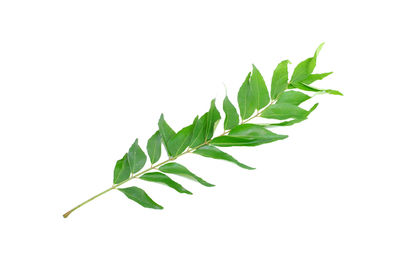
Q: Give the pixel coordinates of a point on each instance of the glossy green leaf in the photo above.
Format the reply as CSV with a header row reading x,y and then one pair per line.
x,y
284,111
136,157
122,170
315,77
154,147
280,78
293,97
304,69
178,169
259,89
178,143
306,87
161,178
212,120
199,129
139,196
231,115
215,153
246,99
294,121
166,132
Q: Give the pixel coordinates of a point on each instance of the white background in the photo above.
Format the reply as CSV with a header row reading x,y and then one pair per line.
x,y
80,80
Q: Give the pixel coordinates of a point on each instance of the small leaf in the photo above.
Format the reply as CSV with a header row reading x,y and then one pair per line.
x,y
166,132
161,178
304,69
178,143
315,77
259,89
154,147
231,115
199,127
280,78
212,120
178,169
292,97
139,196
284,111
215,153
306,87
122,170
246,99
227,141
136,157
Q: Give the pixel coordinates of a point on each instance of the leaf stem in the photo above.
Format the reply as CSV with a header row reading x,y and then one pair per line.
x,y
154,167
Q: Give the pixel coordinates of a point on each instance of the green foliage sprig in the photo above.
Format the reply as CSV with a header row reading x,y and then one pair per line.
x,y
254,100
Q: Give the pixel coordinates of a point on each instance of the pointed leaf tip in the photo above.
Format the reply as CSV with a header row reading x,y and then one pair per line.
x,y
140,196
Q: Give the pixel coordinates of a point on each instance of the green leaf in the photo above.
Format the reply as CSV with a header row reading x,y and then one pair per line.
x,y
246,99
227,141
284,111
161,178
247,135
249,130
304,69
122,170
292,97
231,115
212,120
178,143
154,147
199,127
294,121
315,77
136,157
215,153
139,196
166,132
178,169
259,89
306,87
280,78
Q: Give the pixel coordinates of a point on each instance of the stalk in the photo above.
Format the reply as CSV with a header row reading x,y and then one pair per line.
x,y
190,150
